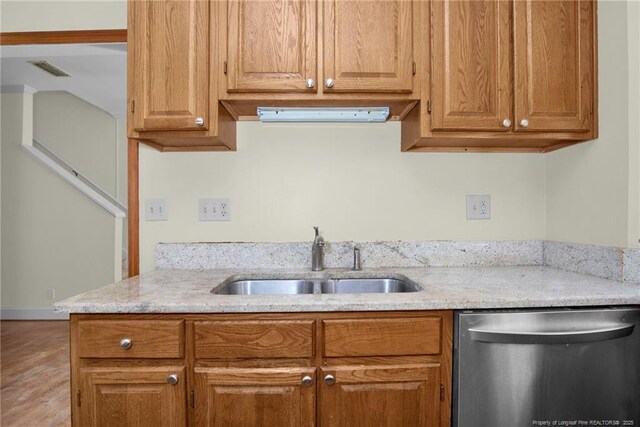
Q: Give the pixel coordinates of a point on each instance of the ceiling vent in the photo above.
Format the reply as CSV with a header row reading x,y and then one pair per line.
x,y
49,68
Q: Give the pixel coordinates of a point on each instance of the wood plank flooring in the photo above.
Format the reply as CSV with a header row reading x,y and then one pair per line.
x,y
34,364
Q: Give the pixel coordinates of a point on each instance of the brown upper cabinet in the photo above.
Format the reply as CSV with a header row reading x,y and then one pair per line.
x,y
271,46
368,46
171,81
471,66
554,65
171,54
506,76
462,75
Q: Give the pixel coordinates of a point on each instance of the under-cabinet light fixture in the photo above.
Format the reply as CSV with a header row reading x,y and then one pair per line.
x,y
328,114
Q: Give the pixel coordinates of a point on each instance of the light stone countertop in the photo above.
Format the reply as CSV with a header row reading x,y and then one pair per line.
x,y
188,291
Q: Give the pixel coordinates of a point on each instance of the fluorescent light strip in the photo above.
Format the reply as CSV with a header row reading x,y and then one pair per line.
x,y
353,114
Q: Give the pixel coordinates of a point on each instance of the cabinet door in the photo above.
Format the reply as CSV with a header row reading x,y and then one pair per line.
x,y
393,396
271,45
471,82
554,65
171,64
132,397
368,46
228,397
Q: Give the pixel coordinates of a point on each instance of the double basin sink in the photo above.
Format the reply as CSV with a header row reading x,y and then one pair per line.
x,y
317,286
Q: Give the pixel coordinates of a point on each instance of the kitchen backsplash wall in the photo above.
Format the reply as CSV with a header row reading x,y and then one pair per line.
x,y
593,189
340,254
609,262
351,180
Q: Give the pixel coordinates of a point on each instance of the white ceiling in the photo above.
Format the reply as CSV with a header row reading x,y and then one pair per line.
x,y
98,71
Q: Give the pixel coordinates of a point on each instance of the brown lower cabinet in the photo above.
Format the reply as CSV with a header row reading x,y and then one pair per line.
x,y
142,396
393,395
295,369
255,397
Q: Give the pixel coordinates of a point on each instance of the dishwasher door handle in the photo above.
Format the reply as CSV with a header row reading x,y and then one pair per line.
x,y
564,337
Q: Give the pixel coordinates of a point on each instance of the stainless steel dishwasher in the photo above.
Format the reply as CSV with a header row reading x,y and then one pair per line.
x,y
564,367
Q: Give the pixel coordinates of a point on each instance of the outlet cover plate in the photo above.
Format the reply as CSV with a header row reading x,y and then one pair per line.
x,y
214,209
156,210
478,206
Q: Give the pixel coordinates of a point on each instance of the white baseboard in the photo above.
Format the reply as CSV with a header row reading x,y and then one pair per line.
x,y
32,314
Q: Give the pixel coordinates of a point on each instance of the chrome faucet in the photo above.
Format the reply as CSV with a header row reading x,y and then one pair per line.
x,y
317,254
357,259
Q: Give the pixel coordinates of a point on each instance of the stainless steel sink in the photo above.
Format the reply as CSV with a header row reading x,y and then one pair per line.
x,y
367,286
316,286
267,287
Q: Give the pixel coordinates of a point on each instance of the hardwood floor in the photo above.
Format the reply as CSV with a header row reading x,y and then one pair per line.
x,y
34,360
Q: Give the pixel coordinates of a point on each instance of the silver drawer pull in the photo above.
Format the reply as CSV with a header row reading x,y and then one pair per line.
x,y
125,343
172,379
307,381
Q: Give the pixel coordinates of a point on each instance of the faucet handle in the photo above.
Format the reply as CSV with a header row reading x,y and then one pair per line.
x,y
317,232
357,258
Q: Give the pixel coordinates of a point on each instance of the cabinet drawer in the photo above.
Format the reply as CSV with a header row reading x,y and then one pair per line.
x,y
254,339
149,339
382,337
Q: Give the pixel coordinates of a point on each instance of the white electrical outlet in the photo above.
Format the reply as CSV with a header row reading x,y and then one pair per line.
x,y
478,206
156,210
214,209
51,293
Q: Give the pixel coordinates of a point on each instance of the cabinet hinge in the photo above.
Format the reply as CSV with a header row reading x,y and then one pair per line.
x,y
428,106
414,68
192,399
441,393
225,68
133,105
79,399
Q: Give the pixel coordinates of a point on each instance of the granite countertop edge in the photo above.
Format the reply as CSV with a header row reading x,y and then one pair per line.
x,y
444,288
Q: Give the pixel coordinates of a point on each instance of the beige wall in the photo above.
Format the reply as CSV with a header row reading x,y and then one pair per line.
x,y
351,180
52,235
54,15
634,122
589,185
83,135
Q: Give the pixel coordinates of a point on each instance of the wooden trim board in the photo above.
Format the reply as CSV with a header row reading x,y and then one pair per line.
x,y
133,207
63,37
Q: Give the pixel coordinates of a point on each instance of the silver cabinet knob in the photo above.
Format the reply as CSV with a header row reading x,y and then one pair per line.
x,y
329,83
172,379
524,123
125,343
329,380
199,121
506,123
311,83
307,381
